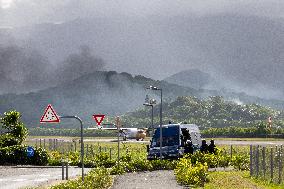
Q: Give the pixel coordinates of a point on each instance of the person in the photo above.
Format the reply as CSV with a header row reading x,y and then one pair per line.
x,y
212,147
204,147
188,147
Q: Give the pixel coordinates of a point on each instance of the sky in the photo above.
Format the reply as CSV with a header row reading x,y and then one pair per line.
x,y
26,12
237,49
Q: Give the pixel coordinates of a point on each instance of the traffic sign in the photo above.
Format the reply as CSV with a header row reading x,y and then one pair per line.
x,y
30,151
99,118
49,116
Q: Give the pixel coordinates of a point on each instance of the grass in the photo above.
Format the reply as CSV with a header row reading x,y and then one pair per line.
x,y
236,179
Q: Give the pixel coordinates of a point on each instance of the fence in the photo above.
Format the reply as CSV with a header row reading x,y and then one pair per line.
x,y
267,163
90,149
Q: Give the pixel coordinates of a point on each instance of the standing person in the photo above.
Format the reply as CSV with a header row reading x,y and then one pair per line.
x,y
204,147
188,147
212,147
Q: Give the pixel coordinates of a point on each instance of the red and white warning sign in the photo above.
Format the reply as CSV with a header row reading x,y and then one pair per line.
x,y
99,118
49,115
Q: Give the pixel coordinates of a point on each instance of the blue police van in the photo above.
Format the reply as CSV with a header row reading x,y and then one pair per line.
x,y
175,139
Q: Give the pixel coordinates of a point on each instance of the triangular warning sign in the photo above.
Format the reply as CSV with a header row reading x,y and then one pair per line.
x,y
99,119
49,116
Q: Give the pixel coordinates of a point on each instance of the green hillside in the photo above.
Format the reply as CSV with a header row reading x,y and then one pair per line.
x,y
213,111
113,93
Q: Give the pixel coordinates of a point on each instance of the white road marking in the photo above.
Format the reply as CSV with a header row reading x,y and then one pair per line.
x,y
44,175
19,180
41,180
2,180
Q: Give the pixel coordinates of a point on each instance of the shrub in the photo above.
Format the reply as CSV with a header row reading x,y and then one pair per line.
x,y
17,155
240,162
17,131
98,178
188,174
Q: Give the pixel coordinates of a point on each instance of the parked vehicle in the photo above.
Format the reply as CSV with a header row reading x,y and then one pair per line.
x,y
175,139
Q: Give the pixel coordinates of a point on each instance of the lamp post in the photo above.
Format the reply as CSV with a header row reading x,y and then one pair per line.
x,y
151,103
161,107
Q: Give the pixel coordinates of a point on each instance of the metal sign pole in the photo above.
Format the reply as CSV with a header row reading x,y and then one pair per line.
x,y
117,122
82,142
161,125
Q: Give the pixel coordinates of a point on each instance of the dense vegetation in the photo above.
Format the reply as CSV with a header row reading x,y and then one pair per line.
x,y
259,130
98,178
215,116
214,112
11,149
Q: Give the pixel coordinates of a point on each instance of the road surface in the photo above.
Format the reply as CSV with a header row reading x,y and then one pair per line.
x,y
246,143
146,180
22,177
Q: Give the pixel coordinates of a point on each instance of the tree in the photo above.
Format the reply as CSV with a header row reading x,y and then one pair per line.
x,y
16,130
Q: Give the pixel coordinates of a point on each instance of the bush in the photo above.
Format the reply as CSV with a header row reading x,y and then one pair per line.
x,y
17,155
240,162
98,178
219,159
188,174
17,131
56,158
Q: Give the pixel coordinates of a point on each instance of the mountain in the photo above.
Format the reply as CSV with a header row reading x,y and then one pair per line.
x,y
109,93
244,52
193,78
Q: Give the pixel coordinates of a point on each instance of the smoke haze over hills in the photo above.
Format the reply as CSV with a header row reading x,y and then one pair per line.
x,y
240,44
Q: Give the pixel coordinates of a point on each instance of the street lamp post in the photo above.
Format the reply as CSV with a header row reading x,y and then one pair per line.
x,y
151,103
161,108
148,104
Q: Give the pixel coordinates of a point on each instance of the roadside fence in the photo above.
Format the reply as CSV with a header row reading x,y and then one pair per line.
x,y
90,150
266,163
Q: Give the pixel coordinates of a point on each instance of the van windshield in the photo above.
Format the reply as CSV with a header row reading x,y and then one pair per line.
x,y
167,141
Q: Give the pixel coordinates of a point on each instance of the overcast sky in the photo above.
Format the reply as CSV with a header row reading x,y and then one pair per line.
x,y
240,40
26,12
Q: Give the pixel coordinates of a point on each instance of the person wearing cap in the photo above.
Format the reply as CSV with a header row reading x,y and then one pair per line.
x,y
188,147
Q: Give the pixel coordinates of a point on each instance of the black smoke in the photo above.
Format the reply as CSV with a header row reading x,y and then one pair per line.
x,y
79,64
23,69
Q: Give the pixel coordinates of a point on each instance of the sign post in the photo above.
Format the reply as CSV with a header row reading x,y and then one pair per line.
x,y
50,116
82,142
118,125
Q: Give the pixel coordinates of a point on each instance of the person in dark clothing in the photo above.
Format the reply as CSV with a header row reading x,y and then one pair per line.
x,y
188,147
204,147
212,147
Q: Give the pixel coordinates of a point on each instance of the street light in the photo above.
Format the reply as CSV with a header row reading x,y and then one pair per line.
x,y
151,103
161,106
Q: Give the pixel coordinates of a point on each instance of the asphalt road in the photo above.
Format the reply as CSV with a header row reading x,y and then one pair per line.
x,y
246,143
22,177
146,180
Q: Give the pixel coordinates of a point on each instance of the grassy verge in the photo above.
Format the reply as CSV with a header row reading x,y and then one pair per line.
x,y
236,179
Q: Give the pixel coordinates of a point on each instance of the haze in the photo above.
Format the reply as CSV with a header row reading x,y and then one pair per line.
x,y
239,43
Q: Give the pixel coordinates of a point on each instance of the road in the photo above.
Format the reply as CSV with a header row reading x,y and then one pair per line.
x,y
246,142
22,177
146,180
